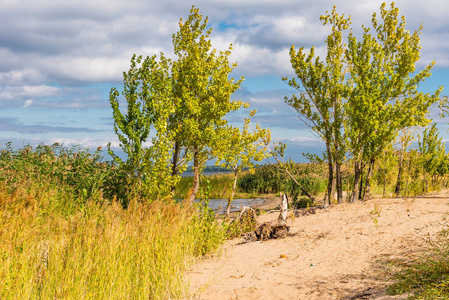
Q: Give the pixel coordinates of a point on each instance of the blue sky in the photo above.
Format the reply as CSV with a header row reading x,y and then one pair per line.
x,y
59,59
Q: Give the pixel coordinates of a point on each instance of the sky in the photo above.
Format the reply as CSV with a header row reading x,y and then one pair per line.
x,y
60,59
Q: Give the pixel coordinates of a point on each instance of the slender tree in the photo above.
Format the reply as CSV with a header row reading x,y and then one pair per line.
x,y
404,140
240,149
321,87
146,90
433,153
202,92
387,160
184,100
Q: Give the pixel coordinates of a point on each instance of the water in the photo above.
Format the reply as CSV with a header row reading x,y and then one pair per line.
x,y
206,173
220,205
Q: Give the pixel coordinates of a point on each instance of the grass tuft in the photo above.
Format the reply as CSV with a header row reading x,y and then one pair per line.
x,y
427,276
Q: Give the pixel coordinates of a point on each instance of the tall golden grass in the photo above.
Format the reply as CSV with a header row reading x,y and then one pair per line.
x,y
55,244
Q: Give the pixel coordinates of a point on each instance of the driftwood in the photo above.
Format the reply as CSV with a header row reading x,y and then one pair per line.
x,y
271,230
305,212
275,229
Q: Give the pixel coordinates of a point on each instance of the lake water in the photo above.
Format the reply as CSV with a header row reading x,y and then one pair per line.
x,y
220,205
205,173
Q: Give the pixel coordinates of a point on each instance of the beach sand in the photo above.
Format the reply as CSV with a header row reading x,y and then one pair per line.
x,y
336,253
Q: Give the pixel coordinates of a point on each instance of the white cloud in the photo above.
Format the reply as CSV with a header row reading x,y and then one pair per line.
x,y
19,77
88,142
17,92
28,103
53,52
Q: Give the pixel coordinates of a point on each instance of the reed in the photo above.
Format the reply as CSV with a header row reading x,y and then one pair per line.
x,y
221,185
60,243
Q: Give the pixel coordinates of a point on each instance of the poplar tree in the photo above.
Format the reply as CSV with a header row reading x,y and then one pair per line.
x,y
363,93
240,149
433,153
202,92
321,87
148,105
384,96
184,100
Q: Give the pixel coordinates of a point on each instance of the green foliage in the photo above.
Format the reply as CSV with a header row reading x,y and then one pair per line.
x,y
301,202
433,152
364,92
271,179
240,149
210,233
383,84
85,173
321,88
148,104
235,229
384,95
185,100
221,185
202,92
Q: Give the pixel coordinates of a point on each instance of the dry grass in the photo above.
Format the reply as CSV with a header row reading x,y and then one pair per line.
x,y
58,244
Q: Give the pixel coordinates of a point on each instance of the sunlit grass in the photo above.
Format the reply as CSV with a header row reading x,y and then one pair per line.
x,y
58,242
98,252
220,184
425,276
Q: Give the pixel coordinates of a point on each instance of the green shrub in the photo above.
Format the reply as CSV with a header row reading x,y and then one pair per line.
x,y
302,202
271,179
246,223
75,167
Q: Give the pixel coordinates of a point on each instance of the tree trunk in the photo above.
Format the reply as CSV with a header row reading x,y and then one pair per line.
x,y
228,210
366,192
360,184
425,183
174,167
398,184
334,185
196,176
327,199
329,196
355,187
338,183
284,206
385,177
337,162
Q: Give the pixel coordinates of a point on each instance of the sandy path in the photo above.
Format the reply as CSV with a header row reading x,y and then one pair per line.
x,y
332,254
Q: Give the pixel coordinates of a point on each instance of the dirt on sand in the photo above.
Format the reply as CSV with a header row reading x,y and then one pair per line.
x,y
336,253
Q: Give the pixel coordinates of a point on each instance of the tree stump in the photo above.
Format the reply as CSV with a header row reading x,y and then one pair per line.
x,y
272,230
275,229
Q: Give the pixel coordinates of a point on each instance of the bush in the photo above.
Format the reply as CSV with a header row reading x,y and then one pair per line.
x,y
246,223
75,167
271,179
302,202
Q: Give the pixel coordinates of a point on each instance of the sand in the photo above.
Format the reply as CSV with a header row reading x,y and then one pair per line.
x,y
337,253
